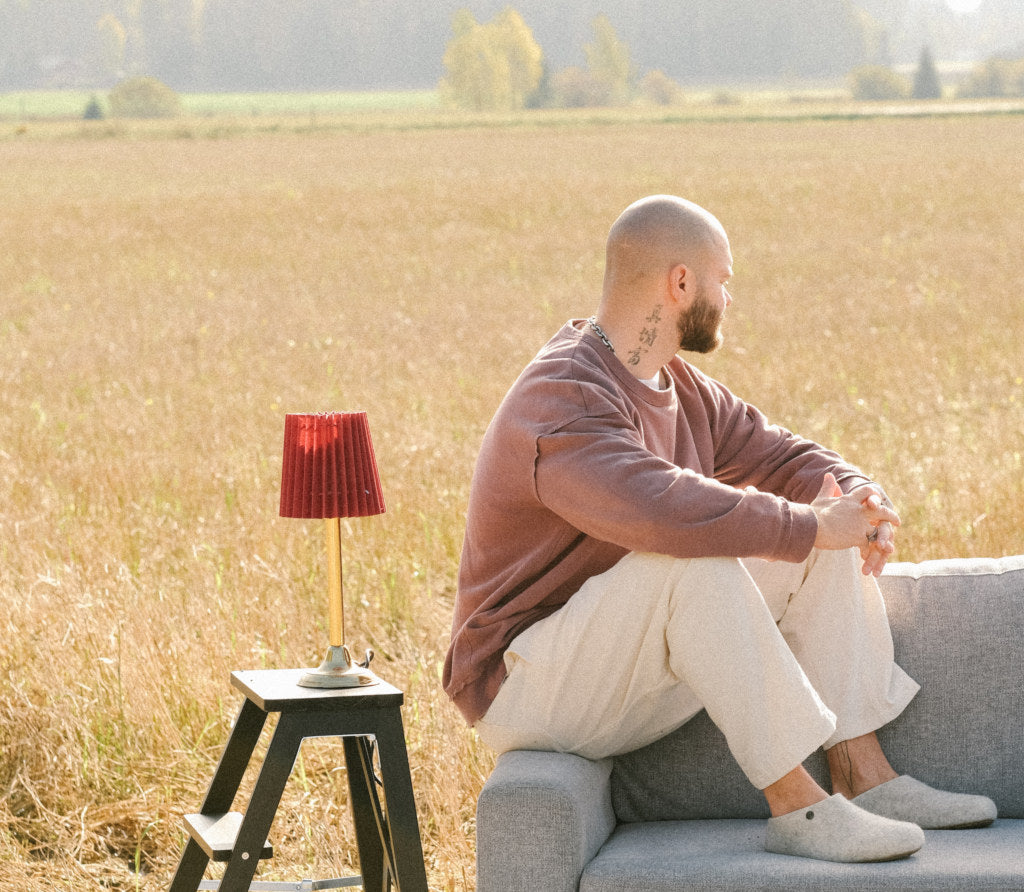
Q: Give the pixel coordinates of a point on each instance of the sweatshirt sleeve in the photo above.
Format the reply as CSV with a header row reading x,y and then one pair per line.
x,y
750,451
597,474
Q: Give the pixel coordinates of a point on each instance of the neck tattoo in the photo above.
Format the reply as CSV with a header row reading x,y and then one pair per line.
x,y
592,322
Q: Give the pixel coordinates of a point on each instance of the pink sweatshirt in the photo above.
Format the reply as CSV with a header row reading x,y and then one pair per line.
x,y
584,463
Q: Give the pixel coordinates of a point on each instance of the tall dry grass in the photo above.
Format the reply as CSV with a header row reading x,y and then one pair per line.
x,y
164,303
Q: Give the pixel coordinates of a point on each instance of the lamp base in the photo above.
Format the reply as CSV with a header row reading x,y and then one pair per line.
x,y
338,671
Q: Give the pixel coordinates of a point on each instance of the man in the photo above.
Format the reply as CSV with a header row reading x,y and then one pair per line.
x,y
642,544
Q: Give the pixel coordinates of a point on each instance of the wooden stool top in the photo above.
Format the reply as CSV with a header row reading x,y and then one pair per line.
x,y
278,690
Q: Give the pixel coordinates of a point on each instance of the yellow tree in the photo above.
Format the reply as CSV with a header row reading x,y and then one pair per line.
x,y
608,61
493,66
476,74
110,40
524,55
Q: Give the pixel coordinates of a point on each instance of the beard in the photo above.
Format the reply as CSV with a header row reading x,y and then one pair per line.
x,y
700,326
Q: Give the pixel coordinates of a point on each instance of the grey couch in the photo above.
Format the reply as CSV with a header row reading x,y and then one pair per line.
x,y
679,815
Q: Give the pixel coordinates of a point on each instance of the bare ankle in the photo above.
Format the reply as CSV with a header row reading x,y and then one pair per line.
x,y
858,765
793,791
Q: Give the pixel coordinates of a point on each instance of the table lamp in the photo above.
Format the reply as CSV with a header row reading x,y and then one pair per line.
x,y
330,472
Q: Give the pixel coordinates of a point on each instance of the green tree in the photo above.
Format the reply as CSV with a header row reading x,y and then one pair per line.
x,y
876,82
144,97
609,62
993,78
492,66
658,88
926,78
93,110
573,87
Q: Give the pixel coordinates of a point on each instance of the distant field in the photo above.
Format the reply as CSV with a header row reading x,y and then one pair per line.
x,y
217,113
165,301
71,103
213,104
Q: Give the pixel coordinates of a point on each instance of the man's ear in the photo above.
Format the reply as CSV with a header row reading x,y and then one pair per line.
x,y
680,283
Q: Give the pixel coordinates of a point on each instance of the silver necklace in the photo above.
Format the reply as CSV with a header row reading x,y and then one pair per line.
x,y
592,322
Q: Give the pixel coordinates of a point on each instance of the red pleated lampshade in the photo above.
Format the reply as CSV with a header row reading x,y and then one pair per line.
x,y
329,467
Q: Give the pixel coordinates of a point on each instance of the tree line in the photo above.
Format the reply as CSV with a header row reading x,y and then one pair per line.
x,y
498,65
230,45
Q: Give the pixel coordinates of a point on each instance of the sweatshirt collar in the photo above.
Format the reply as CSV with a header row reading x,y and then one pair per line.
x,y
599,353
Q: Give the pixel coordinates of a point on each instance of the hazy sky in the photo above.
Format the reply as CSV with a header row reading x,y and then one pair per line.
x,y
963,5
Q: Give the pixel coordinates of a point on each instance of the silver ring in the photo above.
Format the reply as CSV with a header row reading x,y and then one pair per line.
x,y
872,536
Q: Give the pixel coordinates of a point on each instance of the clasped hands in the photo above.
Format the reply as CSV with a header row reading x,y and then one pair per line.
x,y
859,519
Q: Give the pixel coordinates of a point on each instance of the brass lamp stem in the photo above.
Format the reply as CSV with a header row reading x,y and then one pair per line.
x,y
336,599
337,670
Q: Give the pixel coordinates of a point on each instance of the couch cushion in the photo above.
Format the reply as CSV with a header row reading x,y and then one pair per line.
x,y
958,628
729,856
687,775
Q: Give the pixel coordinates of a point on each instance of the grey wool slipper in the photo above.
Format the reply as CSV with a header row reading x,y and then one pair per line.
x,y
836,830
906,799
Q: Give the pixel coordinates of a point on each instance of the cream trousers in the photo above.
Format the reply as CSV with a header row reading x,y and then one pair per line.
x,y
785,658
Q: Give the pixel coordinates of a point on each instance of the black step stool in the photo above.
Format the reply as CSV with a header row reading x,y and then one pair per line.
x,y
387,833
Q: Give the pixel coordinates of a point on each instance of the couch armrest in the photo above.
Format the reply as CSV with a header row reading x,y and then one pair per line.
x,y
958,629
541,817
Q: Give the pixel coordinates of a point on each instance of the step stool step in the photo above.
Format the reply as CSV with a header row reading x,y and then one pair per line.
x,y
216,834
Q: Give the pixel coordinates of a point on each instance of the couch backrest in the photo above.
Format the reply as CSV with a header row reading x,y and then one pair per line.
x,y
958,629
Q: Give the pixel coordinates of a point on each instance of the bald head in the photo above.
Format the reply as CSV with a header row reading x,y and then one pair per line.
x,y
655,234
667,268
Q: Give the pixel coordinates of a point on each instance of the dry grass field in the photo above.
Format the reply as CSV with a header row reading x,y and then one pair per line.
x,y
165,301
